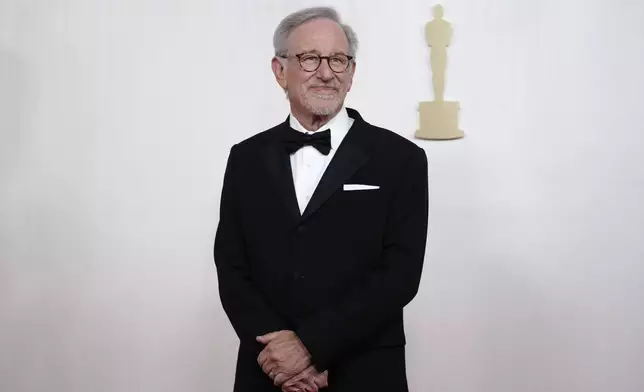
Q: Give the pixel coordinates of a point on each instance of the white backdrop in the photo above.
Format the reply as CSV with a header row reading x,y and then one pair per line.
x,y
116,117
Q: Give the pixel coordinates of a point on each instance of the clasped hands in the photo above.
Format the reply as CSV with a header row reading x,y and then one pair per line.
x,y
288,363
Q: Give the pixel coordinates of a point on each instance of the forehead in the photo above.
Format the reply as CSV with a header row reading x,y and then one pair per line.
x,y
323,35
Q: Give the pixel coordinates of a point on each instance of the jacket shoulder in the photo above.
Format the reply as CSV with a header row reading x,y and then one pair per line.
x,y
389,140
256,141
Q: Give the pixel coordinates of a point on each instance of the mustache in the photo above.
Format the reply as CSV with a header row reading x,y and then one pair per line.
x,y
334,88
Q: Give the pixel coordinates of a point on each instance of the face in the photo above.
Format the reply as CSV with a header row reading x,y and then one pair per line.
x,y
320,92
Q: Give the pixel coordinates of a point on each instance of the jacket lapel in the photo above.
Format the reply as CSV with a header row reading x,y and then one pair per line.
x,y
278,164
349,157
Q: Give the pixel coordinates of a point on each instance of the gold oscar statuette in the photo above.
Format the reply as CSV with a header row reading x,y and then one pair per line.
x,y
439,118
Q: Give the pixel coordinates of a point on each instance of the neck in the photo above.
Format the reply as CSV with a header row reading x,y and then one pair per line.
x,y
313,122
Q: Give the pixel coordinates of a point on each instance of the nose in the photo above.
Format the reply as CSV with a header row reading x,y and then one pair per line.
x,y
325,72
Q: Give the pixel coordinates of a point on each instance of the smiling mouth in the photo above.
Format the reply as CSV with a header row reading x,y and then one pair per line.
x,y
324,89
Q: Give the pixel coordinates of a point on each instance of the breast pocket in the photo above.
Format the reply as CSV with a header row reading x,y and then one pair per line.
x,y
362,202
359,187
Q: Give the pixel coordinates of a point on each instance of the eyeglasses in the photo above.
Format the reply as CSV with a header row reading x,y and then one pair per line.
x,y
310,62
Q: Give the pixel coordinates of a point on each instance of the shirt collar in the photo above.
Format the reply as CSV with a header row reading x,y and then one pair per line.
x,y
339,126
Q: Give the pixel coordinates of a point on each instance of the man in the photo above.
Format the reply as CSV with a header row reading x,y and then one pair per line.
x,y
322,231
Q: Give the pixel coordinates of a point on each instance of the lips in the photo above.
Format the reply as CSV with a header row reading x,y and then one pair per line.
x,y
324,89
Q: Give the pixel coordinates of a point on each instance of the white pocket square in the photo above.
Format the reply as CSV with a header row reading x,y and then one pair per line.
x,y
360,187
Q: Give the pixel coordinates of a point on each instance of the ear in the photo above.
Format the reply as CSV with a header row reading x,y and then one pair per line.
x,y
352,72
279,70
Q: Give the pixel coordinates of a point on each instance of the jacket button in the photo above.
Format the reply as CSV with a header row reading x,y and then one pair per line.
x,y
301,229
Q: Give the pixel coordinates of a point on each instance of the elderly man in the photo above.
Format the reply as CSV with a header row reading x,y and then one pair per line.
x,y
322,231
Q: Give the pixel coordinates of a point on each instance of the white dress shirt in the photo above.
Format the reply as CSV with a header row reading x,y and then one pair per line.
x,y
308,164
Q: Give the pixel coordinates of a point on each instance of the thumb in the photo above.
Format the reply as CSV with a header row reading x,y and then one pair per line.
x,y
267,338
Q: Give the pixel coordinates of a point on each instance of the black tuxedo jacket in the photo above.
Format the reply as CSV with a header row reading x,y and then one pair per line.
x,y
339,274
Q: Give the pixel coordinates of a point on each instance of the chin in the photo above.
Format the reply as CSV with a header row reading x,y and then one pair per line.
x,y
324,110
323,107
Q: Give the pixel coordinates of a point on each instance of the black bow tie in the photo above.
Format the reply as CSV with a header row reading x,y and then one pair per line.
x,y
294,140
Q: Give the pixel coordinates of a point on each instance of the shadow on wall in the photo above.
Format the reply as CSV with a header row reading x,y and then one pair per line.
x,y
12,114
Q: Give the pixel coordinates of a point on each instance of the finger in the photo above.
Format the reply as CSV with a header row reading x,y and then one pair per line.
x,y
263,357
322,380
323,383
268,367
267,338
302,382
296,382
280,379
312,383
294,387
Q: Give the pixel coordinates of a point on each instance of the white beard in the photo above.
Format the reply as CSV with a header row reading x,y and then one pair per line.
x,y
332,103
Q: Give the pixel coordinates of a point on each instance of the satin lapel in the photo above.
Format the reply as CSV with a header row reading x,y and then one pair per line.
x,y
346,161
278,164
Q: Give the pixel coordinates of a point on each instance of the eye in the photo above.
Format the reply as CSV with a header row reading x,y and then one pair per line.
x,y
309,59
339,60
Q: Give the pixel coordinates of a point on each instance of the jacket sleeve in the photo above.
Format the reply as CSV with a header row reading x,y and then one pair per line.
x,y
249,314
391,284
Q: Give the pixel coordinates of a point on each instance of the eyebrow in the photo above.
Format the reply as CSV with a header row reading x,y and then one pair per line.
x,y
315,51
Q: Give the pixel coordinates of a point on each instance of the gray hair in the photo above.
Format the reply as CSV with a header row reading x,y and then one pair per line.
x,y
296,19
